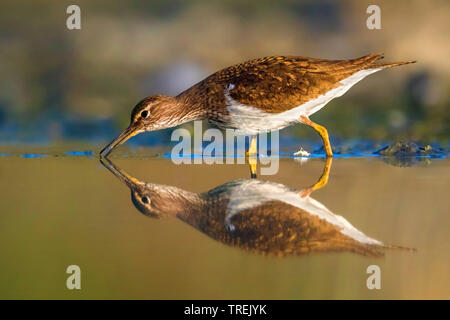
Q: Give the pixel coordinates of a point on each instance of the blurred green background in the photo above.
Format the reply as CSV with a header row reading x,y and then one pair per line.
x,y
59,84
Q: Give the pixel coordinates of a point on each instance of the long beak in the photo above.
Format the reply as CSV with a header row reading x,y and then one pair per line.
x,y
124,136
130,181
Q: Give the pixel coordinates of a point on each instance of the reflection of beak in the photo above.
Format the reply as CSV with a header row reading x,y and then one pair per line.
x,y
122,175
124,136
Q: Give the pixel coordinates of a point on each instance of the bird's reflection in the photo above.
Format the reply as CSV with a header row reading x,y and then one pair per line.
x,y
254,215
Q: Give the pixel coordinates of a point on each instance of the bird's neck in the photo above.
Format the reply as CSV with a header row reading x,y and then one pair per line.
x,y
195,209
204,211
190,108
178,202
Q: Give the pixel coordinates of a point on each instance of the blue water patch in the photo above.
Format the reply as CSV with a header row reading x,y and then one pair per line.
x,y
5,154
31,155
336,155
79,153
281,155
319,154
403,159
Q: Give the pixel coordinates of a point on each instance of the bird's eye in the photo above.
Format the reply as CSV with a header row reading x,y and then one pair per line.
x,y
144,114
144,200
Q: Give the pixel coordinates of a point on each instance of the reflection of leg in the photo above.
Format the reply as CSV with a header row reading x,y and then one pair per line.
x,y
322,182
252,156
322,131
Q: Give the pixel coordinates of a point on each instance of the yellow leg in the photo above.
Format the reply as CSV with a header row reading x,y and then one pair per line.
x,y
323,180
252,156
322,131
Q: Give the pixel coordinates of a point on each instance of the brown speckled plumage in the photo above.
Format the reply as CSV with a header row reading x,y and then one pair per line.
x,y
278,229
256,90
275,84
269,228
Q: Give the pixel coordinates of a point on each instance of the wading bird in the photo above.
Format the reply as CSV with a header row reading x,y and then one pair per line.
x,y
258,216
256,96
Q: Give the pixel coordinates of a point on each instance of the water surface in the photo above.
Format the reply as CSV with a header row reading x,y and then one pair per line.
x,y
67,208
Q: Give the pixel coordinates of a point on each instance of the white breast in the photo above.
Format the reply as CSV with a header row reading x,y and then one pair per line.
x,y
250,120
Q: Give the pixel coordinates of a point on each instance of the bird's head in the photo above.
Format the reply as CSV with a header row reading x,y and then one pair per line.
x,y
151,199
158,201
152,113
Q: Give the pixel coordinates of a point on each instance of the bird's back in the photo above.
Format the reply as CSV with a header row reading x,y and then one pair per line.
x,y
276,84
278,229
265,225
279,83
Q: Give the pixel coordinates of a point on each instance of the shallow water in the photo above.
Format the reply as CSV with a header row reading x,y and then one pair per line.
x,y
64,207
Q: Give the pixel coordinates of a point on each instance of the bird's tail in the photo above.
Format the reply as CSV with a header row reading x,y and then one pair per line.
x,y
392,64
390,246
377,64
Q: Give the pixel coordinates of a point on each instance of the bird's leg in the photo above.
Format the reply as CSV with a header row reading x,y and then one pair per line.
x,y
322,132
322,182
252,156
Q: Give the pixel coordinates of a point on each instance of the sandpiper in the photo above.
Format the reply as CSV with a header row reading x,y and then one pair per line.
x,y
258,216
256,96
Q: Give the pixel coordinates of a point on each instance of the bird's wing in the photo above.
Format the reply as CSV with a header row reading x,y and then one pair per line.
x,y
279,83
280,229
